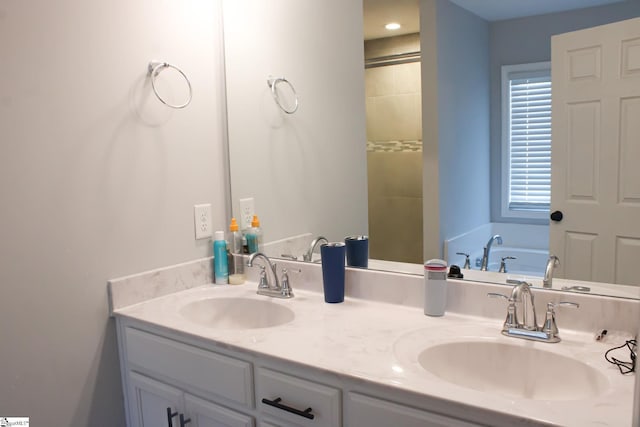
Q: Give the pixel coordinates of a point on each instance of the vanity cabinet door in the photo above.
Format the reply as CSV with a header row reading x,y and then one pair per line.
x,y
365,411
149,400
207,414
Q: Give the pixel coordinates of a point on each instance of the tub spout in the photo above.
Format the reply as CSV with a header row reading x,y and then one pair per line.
x,y
552,262
487,249
308,256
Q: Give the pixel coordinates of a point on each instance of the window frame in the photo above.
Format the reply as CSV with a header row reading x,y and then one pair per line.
x,y
506,72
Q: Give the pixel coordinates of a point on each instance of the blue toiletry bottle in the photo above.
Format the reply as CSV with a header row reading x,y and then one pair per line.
x,y
220,260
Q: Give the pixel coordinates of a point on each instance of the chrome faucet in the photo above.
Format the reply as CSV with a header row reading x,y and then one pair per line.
x,y
265,287
487,249
523,300
521,319
552,262
312,247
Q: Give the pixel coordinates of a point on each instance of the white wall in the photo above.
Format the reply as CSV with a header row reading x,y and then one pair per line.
x,y
463,81
455,82
306,171
97,180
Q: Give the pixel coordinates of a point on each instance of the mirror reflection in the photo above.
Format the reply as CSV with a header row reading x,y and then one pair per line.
x,y
402,140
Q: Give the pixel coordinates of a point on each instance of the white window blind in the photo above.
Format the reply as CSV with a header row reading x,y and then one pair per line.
x,y
529,140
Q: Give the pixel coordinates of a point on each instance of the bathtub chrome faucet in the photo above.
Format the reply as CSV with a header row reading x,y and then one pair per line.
x,y
487,249
312,247
552,262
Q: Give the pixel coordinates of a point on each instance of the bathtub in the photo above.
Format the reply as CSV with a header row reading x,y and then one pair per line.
x,y
531,262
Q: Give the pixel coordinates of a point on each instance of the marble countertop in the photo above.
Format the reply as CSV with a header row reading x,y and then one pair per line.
x,y
380,342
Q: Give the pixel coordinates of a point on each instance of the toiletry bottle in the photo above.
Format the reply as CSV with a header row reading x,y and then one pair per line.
x,y
254,236
220,261
235,239
435,287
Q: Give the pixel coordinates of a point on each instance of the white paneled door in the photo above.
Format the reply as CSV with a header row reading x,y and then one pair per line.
x,y
595,172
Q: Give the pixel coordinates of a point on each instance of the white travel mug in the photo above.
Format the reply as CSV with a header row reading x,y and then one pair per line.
x,y
435,287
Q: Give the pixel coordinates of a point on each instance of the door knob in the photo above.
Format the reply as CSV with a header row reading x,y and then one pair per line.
x,y
556,216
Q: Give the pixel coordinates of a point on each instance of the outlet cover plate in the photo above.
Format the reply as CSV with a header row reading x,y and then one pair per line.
x,y
202,221
247,210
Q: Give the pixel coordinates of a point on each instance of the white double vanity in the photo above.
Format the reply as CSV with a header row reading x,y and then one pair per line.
x,y
199,355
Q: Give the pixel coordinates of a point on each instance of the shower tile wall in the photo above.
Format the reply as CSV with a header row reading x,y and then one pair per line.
x,y
394,152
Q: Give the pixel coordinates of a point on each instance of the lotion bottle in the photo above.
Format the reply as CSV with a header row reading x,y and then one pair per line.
x,y
220,260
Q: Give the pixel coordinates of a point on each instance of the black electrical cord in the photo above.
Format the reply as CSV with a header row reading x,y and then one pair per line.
x,y
624,367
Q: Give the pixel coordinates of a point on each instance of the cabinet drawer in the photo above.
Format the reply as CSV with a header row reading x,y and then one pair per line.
x,y
365,411
325,402
198,369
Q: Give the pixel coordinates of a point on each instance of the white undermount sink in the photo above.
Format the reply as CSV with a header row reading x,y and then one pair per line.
x,y
237,313
520,371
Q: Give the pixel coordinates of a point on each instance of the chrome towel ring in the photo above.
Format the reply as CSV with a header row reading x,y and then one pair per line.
x,y
154,69
273,83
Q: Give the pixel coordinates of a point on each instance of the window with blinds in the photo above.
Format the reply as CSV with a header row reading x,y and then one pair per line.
x,y
526,139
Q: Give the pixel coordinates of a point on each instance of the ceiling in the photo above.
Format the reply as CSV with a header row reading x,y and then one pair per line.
x,y
377,13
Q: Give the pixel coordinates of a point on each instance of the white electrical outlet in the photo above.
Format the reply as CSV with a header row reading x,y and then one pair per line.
x,y
202,221
247,210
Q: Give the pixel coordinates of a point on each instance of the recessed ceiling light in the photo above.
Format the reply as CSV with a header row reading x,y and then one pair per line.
x,y
392,26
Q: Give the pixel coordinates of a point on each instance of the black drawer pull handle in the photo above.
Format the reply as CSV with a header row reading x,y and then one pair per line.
x,y
184,422
170,416
276,404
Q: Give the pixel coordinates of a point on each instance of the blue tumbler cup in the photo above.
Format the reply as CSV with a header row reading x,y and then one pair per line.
x,y
333,271
357,251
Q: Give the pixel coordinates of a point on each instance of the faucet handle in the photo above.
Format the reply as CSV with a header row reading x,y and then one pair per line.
x,y
564,304
467,263
286,271
289,256
286,289
264,281
503,263
511,320
550,326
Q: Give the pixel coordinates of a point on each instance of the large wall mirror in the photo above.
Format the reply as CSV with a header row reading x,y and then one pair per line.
x,y
399,136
